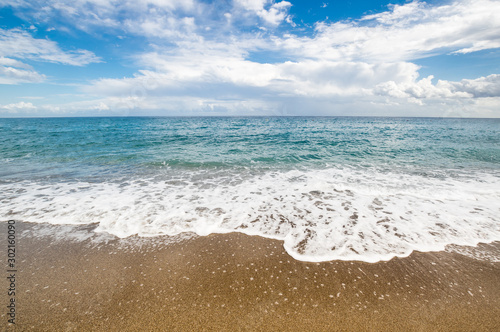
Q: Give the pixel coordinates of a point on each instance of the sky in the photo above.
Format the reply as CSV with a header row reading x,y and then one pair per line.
x,y
249,57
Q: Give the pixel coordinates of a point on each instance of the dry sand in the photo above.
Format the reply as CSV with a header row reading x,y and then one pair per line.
x,y
238,282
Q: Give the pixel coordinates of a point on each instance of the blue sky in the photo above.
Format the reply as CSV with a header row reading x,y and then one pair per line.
x,y
249,57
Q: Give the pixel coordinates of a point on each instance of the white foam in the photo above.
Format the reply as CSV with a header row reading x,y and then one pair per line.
x,y
320,215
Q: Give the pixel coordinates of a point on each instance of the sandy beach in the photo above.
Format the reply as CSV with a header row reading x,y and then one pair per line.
x,y
239,282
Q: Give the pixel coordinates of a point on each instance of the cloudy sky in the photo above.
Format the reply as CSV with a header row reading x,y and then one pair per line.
x,y
249,57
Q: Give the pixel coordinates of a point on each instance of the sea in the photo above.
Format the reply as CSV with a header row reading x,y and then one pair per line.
x,y
331,188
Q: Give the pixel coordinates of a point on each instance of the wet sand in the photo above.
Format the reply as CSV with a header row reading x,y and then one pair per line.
x,y
239,282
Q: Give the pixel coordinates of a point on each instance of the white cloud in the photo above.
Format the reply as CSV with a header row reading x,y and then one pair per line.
x,y
226,80
199,58
275,13
488,86
90,15
102,107
20,44
170,28
483,87
13,63
16,43
20,107
14,72
193,73
11,75
93,16
329,78
406,32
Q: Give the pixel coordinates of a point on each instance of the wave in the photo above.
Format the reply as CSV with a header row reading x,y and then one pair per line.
x,y
321,215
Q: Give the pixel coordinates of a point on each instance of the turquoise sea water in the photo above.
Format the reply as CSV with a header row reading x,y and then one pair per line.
x,y
331,188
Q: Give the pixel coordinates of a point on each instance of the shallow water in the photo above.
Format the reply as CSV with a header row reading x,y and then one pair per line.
x,y
332,188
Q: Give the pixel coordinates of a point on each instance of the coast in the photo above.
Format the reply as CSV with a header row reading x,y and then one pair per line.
x,y
72,279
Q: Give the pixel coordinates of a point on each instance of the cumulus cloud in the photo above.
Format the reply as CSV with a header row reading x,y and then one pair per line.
x,y
488,86
196,73
405,32
364,57
20,107
191,76
199,56
270,12
189,73
226,81
483,87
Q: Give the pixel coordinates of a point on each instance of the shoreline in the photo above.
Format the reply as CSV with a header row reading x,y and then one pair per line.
x,y
239,282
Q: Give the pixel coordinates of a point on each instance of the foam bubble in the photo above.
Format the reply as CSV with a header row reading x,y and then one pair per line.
x,y
347,214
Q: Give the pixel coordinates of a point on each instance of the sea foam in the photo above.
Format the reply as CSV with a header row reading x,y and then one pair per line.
x,y
324,214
